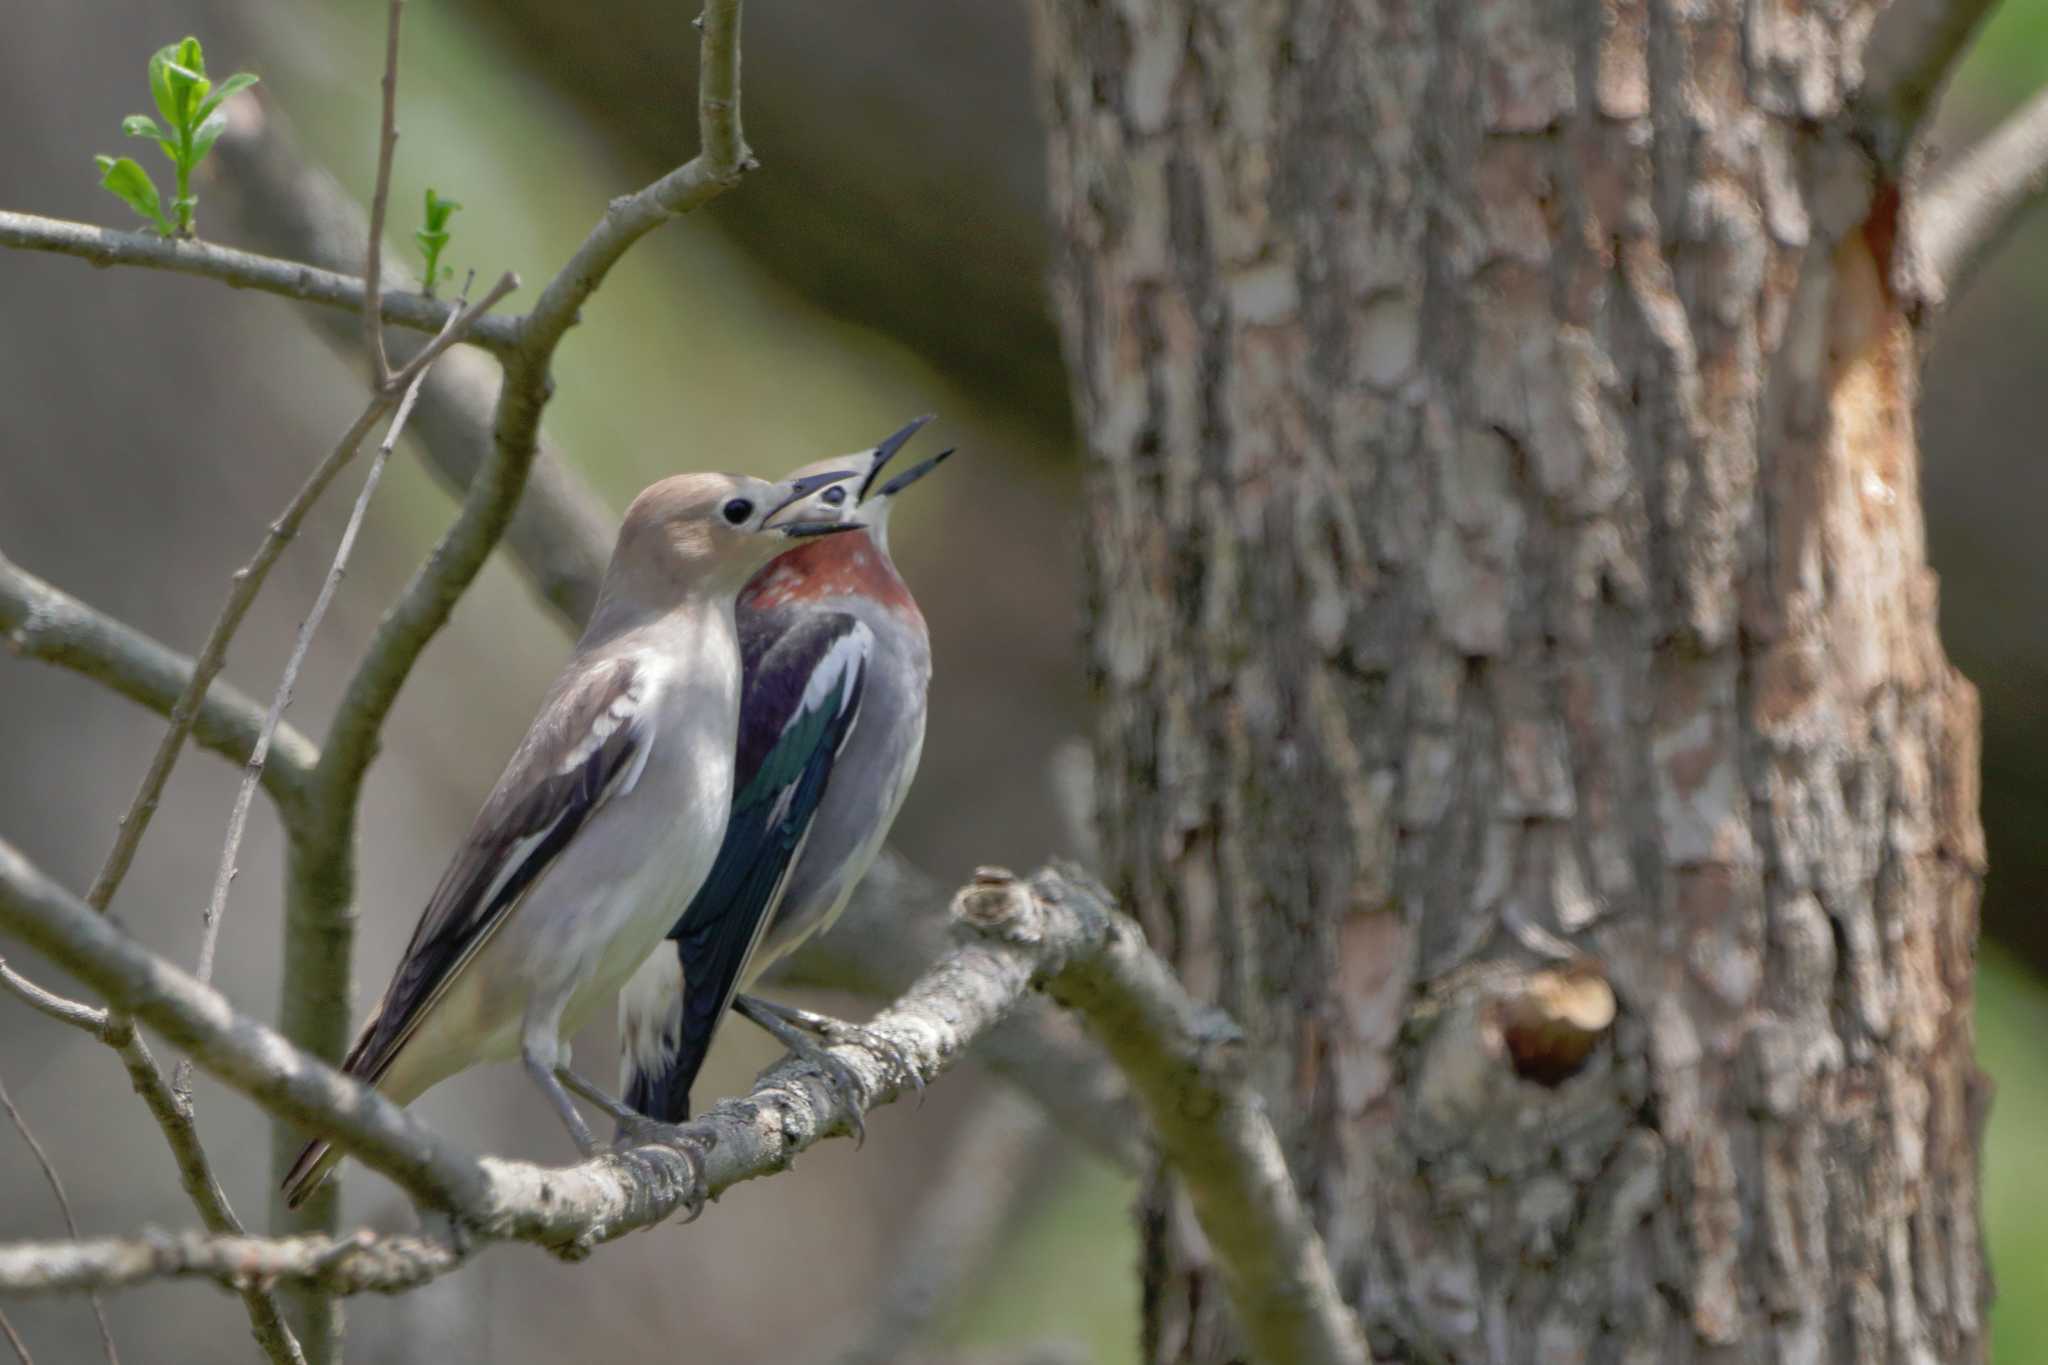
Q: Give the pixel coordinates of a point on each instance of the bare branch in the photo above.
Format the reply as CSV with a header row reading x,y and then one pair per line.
x,y
247,582
173,1113
240,269
358,1264
561,534
56,1184
1914,47
1054,932
897,923
14,1340
720,162
415,371
380,202
44,622
1959,221
76,1013
1184,1061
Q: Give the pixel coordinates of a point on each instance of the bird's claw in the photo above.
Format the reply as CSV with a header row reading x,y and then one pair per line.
x,y
640,1131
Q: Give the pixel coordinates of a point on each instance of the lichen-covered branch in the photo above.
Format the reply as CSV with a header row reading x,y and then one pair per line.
x,y
240,269
1054,932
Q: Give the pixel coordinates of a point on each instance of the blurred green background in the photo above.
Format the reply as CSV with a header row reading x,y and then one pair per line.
x,y
887,260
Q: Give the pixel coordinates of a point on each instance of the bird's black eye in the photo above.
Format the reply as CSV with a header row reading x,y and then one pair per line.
x,y
736,511
836,494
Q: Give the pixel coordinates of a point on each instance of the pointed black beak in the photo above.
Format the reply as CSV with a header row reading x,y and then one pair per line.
x,y
912,475
886,451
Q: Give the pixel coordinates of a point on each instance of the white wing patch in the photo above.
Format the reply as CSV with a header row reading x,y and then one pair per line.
x,y
847,656
631,707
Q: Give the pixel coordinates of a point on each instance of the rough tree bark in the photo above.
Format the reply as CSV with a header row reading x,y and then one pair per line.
x,y
1506,546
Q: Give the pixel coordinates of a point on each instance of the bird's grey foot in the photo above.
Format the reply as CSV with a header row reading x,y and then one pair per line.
x,y
637,1130
619,1110
839,1031
842,1078
565,1107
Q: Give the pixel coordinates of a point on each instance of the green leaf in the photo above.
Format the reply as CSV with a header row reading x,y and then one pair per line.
x,y
233,85
190,57
132,186
207,134
160,83
142,125
188,88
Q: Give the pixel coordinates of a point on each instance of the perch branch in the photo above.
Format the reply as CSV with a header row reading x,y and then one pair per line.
x,y
240,270
56,1184
1960,220
1054,932
14,1340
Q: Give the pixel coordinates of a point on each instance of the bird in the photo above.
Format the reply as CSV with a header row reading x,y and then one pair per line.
x,y
608,816
836,666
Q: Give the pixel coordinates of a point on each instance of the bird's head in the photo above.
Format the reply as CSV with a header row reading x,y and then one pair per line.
x,y
861,485
708,533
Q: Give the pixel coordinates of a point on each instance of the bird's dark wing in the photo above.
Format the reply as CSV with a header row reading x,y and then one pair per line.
x,y
589,744
800,701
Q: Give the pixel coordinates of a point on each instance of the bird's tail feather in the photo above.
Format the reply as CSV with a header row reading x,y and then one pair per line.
x,y
316,1162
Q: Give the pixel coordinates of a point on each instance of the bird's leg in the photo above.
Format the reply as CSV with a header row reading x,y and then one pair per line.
x,y
841,1077
635,1128
544,1076
835,1031
588,1089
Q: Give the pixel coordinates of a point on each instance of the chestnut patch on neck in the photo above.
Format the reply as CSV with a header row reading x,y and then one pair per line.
x,y
848,565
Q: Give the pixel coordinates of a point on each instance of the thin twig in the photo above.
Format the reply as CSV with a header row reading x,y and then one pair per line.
x,y
241,270
380,203
56,1184
248,581
561,534
43,622
76,1013
14,1339
1958,222
238,817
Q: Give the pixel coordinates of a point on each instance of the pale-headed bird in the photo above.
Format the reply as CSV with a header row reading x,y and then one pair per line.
x,y
836,663
606,820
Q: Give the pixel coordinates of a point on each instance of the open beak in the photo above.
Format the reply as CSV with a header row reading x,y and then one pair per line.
x,y
886,451
799,489
908,477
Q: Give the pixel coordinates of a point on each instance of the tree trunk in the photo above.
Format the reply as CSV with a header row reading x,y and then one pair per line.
x,y
1508,577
